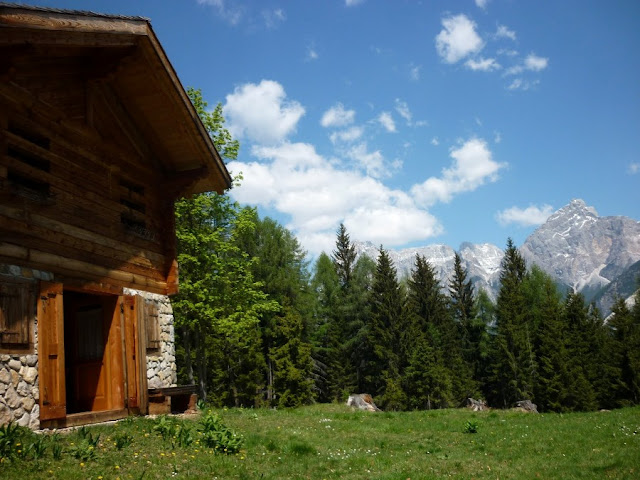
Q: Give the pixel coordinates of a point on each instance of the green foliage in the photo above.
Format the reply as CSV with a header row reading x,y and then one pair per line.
x,y
166,426
84,450
386,329
56,447
218,436
512,351
38,447
470,427
213,122
122,440
11,438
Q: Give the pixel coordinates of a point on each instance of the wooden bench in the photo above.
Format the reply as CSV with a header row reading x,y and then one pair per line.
x,y
180,399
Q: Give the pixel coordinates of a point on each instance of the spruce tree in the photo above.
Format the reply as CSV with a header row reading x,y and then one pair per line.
x,y
344,256
625,325
510,350
384,334
327,353
545,313
427,382
470,332
580,392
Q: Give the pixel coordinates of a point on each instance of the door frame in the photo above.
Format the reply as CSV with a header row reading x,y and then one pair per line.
x,y
128,324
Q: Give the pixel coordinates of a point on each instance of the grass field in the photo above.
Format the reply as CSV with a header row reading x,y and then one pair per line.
x,y
335,442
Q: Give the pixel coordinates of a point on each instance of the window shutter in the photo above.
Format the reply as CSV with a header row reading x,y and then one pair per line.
x,y
16,313
153,326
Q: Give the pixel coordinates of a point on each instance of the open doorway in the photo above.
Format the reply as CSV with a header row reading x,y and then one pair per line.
x,y
93,353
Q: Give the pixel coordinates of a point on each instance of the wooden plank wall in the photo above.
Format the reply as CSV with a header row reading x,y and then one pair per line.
x,y
82,198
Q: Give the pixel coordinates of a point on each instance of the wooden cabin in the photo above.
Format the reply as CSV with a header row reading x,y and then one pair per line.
x,y
97,140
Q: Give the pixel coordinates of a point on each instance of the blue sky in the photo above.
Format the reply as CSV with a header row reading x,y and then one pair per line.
x,y
415,122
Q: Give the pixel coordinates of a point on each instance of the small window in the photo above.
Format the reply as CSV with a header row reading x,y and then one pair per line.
x,y
153,327
17,301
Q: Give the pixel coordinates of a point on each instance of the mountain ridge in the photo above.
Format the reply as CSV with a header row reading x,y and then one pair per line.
x,y
575,246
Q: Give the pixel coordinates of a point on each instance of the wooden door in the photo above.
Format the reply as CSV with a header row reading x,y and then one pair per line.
x,y
135,353
51,352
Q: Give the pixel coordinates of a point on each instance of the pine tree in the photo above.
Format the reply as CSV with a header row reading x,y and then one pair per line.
x,y
384,334
427,382
327,352
470,333
545,312
485,321
292,364
580,393
348,317
344,257
625,325
511,352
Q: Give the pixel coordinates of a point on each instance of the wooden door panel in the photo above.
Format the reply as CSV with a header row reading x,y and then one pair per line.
x,y
51,352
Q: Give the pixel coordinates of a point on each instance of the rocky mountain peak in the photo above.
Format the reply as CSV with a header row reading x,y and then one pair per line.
x,y
581,249
576,246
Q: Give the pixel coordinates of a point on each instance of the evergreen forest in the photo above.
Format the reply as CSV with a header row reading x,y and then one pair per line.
x,y
257,325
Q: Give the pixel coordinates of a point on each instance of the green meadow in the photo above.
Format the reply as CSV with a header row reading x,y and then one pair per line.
x,y
335,442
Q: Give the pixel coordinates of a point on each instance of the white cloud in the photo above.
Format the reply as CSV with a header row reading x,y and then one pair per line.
x,y
233,15
311,54
414,72
507,52
528,217
262,112
349,135
531,63
386,120
403,110
497,137
504,32
353,3
371,162
483,64
317,195
482,3
634,168
337,116
273,18
535,63
472,167
521,84
458,39
435,142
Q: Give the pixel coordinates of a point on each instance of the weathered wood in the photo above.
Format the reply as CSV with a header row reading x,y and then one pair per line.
x,y
130,341
51,352
74,268
141,353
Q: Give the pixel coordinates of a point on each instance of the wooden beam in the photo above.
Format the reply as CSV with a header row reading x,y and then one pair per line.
x,y
70,21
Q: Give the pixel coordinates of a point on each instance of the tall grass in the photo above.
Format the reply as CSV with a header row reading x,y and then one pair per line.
x,y
334,442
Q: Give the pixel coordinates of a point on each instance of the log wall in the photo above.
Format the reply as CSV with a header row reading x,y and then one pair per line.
x,y
83,197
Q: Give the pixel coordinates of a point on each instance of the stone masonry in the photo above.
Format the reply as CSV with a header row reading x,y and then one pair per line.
x,y
161,364
19,385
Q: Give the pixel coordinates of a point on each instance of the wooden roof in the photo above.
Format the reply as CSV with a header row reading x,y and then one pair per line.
x,y
123,52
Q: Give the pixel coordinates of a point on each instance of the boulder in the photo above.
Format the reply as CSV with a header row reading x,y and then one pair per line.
x,y
476,405
526,406
362,401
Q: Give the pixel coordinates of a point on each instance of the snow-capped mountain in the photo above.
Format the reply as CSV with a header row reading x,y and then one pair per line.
x,y
582,250
578,248
481,261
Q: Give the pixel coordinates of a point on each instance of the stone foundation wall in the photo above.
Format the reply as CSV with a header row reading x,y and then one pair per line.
x,y
19,383
161,363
